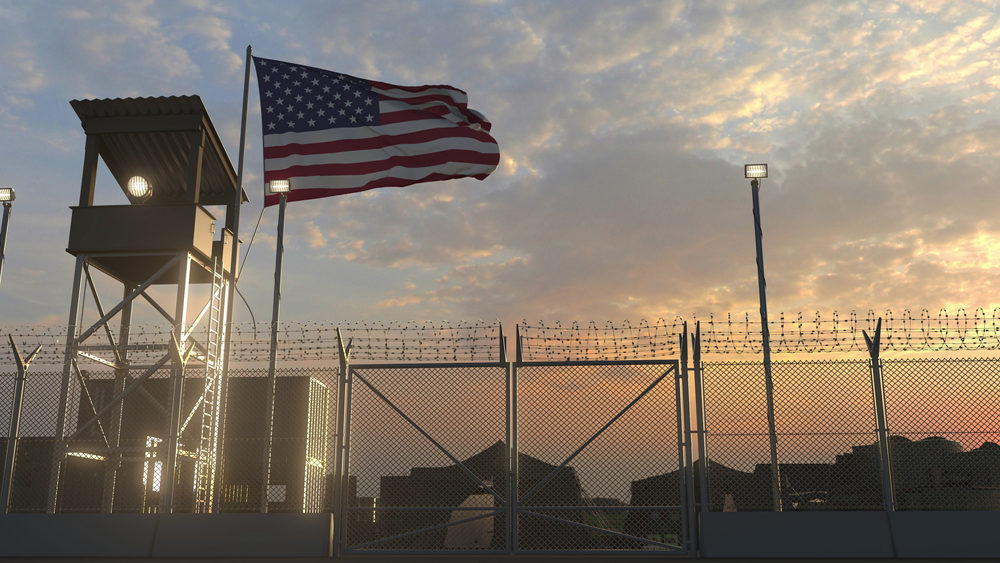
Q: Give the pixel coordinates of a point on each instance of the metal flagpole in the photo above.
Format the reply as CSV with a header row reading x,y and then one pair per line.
x,y
233,263
272,358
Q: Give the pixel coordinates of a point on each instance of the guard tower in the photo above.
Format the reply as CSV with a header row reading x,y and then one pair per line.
x,y
166,157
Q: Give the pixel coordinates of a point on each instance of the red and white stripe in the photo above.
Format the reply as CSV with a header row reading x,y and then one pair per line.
x,y
427,133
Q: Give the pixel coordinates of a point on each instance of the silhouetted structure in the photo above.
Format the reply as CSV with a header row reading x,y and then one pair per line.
x,y
449,486
929,474
298,461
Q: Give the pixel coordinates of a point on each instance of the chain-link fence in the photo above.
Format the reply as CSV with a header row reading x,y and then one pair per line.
x,y
823,415
944,418
599,465
415,426
429,450
943,415
116,462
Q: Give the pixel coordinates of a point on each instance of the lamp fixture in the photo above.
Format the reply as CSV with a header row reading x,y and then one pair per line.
x,y
6,194
755,171
280,186
139,187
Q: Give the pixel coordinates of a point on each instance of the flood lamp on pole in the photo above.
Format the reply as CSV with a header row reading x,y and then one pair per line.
x,y
6,196
280,187
755,173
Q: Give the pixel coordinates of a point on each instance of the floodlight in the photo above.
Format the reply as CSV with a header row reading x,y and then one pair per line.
x,y
755,171
139,187
280,186
6,194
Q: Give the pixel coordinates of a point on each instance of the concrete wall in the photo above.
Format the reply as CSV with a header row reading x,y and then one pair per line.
x,y
966,534
172,535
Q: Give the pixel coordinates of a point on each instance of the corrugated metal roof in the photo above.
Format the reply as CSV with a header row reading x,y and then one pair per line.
x,y
154,138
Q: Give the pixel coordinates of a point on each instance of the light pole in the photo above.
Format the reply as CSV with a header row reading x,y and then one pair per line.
x,y
280,187
6,196
756,173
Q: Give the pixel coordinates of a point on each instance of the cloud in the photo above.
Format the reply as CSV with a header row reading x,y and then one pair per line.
x,y
622,128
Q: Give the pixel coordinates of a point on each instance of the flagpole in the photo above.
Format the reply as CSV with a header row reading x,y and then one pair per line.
x,y
272,358
233,269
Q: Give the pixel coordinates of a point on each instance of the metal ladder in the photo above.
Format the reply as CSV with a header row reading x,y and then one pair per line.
x,y
207,455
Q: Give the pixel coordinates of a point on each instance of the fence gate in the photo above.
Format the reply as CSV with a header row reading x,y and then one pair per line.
x,y
600,458
427,451
430,451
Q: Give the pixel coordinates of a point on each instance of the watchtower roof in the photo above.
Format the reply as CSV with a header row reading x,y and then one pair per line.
x,y
153,137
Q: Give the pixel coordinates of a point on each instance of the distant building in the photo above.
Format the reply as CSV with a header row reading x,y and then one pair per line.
x,y
930,474
449,486
298,457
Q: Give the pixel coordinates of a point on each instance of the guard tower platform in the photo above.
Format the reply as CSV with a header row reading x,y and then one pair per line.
x,y
171,142
167,159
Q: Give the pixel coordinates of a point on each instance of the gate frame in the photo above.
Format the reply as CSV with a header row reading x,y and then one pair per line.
x,y
343,459
684,466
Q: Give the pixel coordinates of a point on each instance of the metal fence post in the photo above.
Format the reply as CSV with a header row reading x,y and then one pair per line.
x,y
341,460
688,461
15,424
882,428
699,398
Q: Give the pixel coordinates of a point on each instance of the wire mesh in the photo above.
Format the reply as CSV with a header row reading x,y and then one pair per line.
x,y
303,441
102,474
825,429
428,458
944,418
598,465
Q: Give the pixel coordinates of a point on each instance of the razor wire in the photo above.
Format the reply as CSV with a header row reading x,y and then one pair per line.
x,y
908,331
408,341
475,341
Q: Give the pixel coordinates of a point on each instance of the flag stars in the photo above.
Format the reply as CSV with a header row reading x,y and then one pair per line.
x,y
301,99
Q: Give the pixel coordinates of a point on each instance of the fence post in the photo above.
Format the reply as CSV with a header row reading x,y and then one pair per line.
x,y
15,424
688,459
699,399
878,394
341,475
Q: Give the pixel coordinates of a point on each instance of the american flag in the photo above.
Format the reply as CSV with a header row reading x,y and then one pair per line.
x,y
332,134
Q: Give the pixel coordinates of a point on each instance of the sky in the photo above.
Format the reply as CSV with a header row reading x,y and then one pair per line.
x,y
623,128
